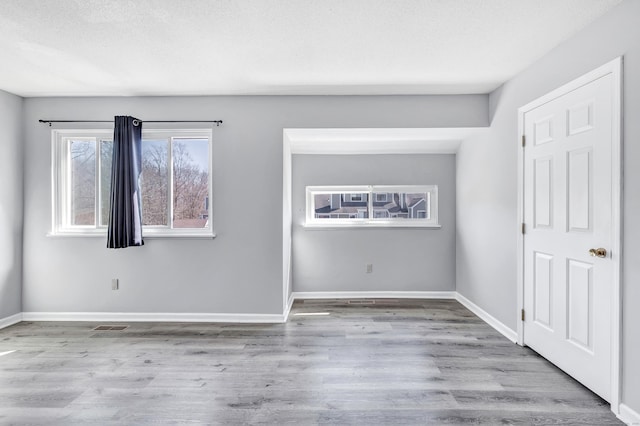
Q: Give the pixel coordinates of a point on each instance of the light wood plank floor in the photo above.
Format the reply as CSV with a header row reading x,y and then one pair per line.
x,y
393,362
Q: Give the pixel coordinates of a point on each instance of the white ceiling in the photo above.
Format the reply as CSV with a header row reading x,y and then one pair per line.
x,y
200,47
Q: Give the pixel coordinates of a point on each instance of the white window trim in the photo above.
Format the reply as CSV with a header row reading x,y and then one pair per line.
x,y
371,222
60,185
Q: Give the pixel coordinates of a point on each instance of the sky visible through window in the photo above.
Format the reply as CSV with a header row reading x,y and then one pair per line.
x,y
199,151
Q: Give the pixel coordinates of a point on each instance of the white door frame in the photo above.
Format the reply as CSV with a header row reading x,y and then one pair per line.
x,y
613,68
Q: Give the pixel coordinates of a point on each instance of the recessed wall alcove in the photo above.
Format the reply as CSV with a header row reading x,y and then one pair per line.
x,y
413,142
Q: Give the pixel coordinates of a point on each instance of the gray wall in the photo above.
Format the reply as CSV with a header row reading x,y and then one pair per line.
x,y
240,271
10,205
487,172
404,259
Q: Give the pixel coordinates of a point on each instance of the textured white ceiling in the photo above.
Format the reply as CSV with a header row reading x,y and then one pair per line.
x,y
201,47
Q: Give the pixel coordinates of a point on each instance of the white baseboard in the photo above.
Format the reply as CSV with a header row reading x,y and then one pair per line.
x,y
151,317
489,319
287,309
229,318
628,415
258,318
374,294
13,319
481,313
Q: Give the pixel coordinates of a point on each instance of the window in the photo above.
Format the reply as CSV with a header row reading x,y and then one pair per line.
x,y
175,182
383,206
381,197
339,205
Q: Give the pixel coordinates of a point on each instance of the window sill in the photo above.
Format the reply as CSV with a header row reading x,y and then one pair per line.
x,y
175,235
312,226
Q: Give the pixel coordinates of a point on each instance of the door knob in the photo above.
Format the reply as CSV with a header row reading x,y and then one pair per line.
x,y
599,252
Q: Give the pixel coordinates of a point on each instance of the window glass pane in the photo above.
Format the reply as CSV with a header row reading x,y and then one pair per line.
x,y
341,206
155,182
190,183
106,151
381,197
83,182
400,205
82,179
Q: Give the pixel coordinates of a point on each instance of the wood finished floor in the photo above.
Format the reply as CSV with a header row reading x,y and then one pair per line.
x,y
395,362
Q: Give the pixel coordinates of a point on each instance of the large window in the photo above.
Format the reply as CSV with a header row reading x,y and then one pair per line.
x,y
382,206
175,182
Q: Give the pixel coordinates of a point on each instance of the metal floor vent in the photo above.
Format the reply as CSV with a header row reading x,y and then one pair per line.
x,y
361,302
111,327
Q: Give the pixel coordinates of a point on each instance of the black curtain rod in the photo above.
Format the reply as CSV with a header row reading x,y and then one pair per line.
x,y
218,122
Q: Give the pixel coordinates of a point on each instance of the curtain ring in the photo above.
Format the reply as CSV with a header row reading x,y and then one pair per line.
x,y
136,122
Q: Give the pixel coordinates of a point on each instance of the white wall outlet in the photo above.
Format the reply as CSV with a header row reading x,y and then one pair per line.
x,y
369,268
115,284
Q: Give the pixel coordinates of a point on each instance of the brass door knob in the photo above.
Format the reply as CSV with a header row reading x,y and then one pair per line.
x,y
599,252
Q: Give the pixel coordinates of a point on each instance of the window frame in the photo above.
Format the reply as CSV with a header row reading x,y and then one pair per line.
x,y
372,222
61,183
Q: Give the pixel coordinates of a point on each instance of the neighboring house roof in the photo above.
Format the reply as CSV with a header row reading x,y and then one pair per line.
x,y
415,201
392,207
322,206
346,210
347,207
324,209
86,217
354,204
190,223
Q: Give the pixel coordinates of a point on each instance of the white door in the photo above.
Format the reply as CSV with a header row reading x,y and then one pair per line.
x,y
568,207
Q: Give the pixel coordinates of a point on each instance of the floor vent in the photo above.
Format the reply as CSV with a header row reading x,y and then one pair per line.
x,y
361,302
111,327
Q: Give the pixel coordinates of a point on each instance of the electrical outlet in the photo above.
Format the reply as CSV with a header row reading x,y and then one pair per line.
x,y
115,284
369,268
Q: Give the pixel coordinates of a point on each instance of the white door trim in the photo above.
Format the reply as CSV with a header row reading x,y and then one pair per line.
x,y
613,68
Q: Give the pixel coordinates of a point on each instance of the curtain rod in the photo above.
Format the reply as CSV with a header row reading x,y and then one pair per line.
x,y
218,122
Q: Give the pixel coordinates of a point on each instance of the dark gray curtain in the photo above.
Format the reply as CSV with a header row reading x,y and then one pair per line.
x,y
125,213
